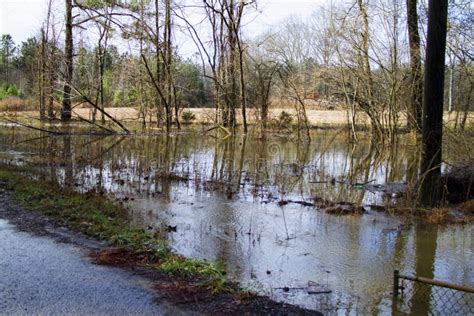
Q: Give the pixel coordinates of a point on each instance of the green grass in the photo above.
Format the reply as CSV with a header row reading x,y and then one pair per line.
x,y
211,275
92,215
102,219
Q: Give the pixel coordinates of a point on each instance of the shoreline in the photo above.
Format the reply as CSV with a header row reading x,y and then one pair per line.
x,y
190,284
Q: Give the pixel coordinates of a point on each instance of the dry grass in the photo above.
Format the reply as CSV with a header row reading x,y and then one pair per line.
x,y
441,216
316,117
437,216
16,104
461,214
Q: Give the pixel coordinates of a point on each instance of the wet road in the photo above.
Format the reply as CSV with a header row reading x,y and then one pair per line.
x,y
41,276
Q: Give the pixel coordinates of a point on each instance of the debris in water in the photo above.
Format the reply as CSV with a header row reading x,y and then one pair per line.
x,y
170,228
345,208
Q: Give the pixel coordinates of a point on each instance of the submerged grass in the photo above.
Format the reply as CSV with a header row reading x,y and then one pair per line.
x,y
100,218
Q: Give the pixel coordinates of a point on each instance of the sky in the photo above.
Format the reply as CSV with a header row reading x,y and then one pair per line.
x,y
22,18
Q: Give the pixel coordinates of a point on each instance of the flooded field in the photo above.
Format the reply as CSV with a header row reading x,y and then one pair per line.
x,y
256,204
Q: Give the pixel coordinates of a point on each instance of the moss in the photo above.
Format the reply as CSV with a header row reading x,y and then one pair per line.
x,y
100,218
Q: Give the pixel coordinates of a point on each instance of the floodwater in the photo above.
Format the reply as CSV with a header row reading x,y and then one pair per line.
x,y
220,199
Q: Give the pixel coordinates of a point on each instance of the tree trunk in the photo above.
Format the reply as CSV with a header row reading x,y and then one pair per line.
x,y
159,110
52,79
172,97
233,84
467,102
432,132
450,88
103,52
66,109
231,66
223,94
51,65
236,22
42,76
168,57
414,112
264,84
101,82
242,88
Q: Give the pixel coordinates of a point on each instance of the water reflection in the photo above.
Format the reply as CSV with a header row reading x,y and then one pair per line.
x,y
425,254
222,196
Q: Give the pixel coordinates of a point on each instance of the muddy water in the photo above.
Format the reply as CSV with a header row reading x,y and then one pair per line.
x,y
218,199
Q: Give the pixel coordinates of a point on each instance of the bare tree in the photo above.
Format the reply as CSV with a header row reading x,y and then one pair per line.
x,y
368,104
261,72
459,45
104,29
290,49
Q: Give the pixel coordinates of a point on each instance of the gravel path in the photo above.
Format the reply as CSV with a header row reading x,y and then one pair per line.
x,y
40,276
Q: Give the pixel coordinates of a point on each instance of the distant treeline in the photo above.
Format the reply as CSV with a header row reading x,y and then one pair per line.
x,y
361,55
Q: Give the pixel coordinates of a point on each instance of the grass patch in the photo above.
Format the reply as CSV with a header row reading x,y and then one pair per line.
x,y
211,275
17,104
90,214
100,218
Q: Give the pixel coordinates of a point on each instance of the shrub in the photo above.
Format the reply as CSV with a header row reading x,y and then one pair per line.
x,y
285,119
188,116
117,98
9,90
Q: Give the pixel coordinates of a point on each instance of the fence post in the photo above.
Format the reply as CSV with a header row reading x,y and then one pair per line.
x,y
396,276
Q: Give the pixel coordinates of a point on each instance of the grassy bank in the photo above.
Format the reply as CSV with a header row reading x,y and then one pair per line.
x,y
102,219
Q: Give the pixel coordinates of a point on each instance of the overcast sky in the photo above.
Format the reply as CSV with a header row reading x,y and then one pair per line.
x,y
23,18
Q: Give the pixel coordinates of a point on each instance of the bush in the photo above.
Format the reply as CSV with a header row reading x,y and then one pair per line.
x,y
285,119
188,116
117,98
9,90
